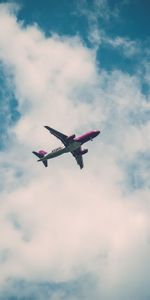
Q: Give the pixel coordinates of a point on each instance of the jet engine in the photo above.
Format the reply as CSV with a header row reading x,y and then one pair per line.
x,y
84,151
71,137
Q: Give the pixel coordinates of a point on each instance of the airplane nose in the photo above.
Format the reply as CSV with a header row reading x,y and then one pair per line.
x,y
97,132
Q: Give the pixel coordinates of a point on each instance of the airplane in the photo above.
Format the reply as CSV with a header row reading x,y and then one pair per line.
x,y
71,144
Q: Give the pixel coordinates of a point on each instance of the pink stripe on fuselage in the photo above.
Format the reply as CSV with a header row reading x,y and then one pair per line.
x,y
87,136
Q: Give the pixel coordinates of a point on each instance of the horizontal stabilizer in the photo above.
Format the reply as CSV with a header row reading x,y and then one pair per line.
x,y
45,162
41,154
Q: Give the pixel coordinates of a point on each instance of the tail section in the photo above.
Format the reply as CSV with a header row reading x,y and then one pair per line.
x,y
40,155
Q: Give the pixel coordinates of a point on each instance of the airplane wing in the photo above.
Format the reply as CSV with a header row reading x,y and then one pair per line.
x,y
78,156
58,134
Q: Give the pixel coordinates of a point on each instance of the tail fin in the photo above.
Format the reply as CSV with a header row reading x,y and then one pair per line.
x,y
41,154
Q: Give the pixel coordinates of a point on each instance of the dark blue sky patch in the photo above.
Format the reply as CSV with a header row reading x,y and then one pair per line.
x,y
51,16
111,59
132,20
128,19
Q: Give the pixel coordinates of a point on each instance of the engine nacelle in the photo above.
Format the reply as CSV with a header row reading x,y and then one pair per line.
x,y
84,151
71,137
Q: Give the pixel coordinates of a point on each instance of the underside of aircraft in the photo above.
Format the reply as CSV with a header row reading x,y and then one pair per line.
x,y
71,144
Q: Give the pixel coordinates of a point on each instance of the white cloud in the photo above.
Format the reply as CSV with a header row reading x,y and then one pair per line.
x,y
100,10
129,48
60,222
126,47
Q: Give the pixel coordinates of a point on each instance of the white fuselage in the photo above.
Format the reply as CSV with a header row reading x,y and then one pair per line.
x,y
71,147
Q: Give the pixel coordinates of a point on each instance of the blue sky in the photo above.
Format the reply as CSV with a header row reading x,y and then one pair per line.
x,y
75,66
128,19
